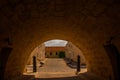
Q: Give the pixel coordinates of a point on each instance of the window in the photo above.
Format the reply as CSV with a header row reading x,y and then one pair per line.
x,y
50,53
56,53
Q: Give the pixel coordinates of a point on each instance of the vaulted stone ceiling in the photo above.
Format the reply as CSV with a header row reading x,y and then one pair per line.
x,y
86,23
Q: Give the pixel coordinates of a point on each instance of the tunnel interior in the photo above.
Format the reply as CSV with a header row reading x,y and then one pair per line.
x,y
24,24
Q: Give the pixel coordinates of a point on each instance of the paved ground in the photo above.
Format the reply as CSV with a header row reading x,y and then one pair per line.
x,y
55,65
56,69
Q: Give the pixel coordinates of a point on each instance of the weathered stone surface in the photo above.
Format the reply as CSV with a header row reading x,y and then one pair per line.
x,y
86,23
72,53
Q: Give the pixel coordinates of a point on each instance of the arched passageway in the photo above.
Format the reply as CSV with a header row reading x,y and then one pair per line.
x,y
24,24
56,59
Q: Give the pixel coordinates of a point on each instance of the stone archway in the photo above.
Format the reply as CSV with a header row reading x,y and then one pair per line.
x,y
94,61
87,24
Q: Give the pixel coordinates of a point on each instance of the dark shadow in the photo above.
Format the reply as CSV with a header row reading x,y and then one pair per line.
x,y
4,54
25,77
81,76
70,63
114,56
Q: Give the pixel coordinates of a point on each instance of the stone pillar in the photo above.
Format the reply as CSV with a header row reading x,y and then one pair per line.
x,y
78,63
34,64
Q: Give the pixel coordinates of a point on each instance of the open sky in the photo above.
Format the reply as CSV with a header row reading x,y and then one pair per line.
x,y
56,42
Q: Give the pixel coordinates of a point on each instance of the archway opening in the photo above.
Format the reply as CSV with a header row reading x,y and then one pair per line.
x,y
56,59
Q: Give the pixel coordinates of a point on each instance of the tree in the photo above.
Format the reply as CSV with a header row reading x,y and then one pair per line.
x,y
62,54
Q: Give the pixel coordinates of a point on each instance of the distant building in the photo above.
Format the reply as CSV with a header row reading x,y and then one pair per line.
x,y
54,52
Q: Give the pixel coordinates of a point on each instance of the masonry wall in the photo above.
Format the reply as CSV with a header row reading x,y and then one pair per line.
x,y
39,53
72,52
86,23
53,52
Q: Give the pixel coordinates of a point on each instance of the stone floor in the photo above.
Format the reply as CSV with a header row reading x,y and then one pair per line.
x,y
56,69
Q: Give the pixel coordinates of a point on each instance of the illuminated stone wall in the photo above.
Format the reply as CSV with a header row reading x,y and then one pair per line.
x,y
72,52
39,53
